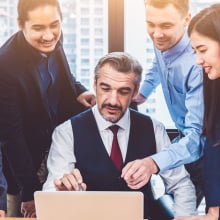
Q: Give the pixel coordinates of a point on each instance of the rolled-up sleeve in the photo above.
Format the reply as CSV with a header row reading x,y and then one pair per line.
x,y
61,158
151,80
177,181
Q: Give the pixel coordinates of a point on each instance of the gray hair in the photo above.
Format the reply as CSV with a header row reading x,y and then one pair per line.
x,y
122,62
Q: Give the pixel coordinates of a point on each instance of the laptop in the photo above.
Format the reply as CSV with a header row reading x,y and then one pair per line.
x,y
89,205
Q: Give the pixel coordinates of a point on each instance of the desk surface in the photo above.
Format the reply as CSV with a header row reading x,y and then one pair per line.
x,y
7,218
23,218
10,218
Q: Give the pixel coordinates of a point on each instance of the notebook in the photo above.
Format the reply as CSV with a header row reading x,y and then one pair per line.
x,y
89,205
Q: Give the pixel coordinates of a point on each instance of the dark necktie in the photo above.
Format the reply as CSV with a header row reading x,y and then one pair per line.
x,y
116,156
49,73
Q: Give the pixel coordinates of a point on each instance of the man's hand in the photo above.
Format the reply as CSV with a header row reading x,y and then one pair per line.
x,y
198,217
139,99
213,214
87,99
137,173
2,213
28,209
70,182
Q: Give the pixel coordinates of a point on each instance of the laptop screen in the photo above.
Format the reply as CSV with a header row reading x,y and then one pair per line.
x,y
89,205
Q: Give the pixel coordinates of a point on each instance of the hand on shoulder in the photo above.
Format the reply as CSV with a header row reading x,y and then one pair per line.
x,y
2,213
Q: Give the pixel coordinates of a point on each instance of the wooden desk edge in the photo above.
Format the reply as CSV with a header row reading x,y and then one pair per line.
x,y
10,218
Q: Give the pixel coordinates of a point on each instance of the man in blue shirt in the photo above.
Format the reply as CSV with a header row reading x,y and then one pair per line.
x,y
175,69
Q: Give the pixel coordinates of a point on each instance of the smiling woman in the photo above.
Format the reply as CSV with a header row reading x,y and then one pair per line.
x,y
204,33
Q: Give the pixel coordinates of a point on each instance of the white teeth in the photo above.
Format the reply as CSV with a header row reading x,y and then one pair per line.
x,y
207,69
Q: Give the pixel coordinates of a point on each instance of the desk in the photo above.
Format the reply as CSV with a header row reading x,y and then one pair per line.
x,y
23,218
10,218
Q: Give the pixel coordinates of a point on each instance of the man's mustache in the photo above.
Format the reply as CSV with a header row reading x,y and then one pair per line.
x,y
118,107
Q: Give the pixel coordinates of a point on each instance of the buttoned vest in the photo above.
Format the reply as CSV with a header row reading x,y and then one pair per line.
x,y
93,161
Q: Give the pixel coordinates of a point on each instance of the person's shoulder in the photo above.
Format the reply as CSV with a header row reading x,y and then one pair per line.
x,y
139,115
9,43
63,126
14,56
157,123
10,49
82,115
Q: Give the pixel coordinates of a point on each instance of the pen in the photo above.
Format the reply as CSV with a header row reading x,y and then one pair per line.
x,y
80,187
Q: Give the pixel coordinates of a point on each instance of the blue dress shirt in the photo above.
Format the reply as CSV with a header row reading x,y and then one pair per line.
x,y
181,81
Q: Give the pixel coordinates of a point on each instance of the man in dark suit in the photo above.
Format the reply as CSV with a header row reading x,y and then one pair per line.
x,y
37,93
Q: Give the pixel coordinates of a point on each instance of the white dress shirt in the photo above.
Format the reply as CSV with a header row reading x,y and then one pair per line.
x,y
61,159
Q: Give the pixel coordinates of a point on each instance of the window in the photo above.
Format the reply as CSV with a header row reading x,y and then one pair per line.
x,y
84,21
85,51
84,11
98,21
98,52
85,42
85,72
98,31
85,30
98,11
142,49
98,41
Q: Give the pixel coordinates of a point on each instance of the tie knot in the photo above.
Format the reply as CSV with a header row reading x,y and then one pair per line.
x,y
114,129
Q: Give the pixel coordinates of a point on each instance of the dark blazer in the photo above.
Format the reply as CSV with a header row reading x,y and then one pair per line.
x,y
26,124
212,169
3,186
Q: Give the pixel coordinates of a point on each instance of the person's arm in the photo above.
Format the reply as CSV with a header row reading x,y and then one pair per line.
x,y
61,159
213,214
2,213
189,148
15,146
3,188
149,84
177,181
84,97
87,99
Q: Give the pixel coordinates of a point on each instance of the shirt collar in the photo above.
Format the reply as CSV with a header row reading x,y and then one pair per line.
x,y
171,54
103,124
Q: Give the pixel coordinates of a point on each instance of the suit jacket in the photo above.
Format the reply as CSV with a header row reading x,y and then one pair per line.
x,y
3,186
26,124
212,169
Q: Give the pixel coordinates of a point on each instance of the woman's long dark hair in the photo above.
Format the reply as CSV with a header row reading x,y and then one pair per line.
x,y
212,105
207,23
